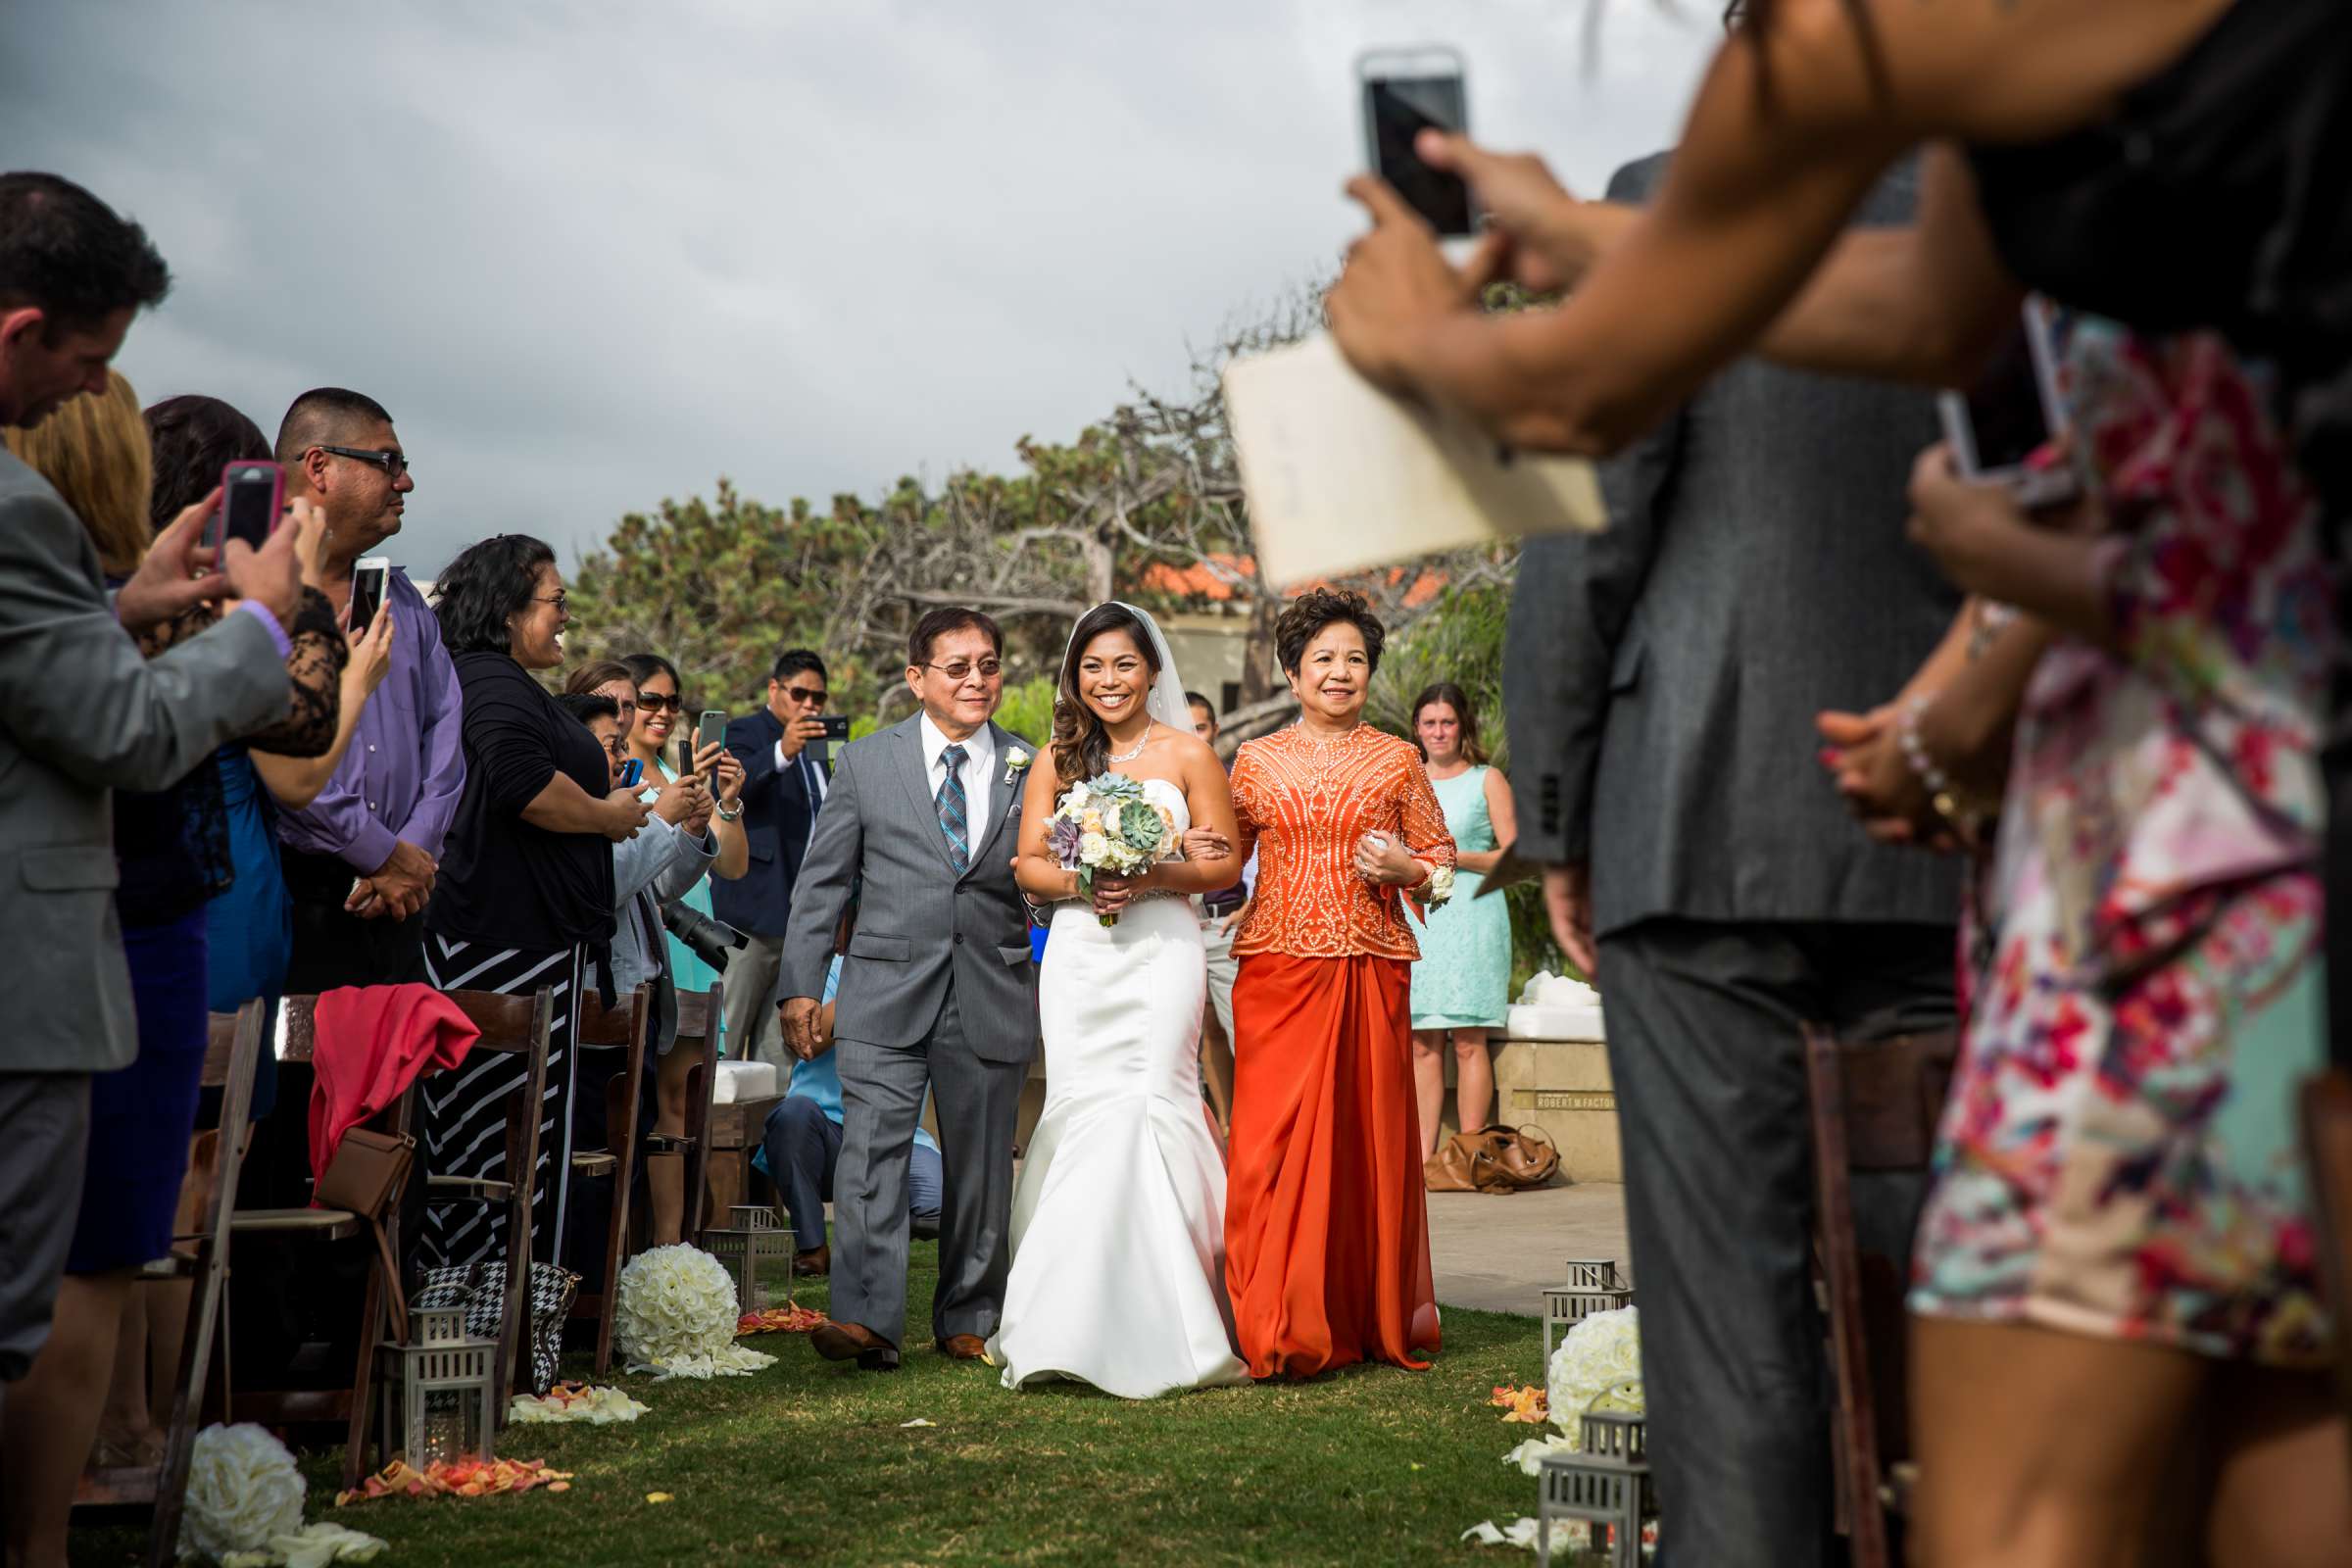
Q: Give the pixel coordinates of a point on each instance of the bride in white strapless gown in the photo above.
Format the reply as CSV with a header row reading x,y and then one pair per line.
x,y
1118,1218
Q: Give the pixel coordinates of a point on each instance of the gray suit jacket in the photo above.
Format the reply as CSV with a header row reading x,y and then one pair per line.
x,y
920,925
85,714
1662,677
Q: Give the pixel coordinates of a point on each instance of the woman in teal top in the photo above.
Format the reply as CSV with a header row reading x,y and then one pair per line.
x,y
1462,987
656,714
660,714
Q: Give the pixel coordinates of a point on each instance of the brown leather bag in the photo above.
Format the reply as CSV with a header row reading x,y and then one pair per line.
x,y
1493,1159
365,1178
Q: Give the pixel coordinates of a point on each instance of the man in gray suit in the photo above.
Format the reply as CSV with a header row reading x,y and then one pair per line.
x,y
85,714
937,990
1662,682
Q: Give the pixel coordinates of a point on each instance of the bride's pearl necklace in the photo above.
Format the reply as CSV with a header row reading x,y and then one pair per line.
x,y
1129,757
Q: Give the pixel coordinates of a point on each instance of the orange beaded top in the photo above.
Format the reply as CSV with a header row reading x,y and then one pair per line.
x,y
1304,802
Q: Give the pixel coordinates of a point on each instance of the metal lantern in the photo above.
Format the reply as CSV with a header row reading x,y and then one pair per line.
x,y
749,1240
448,1389
1594,1286
1607,1485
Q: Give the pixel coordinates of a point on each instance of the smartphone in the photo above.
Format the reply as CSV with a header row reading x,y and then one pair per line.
x,y
837,726
1998,425
632,773
253,500
1407,91
370,580
711,729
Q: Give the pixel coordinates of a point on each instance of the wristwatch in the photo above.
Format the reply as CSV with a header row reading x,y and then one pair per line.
x,y
725,815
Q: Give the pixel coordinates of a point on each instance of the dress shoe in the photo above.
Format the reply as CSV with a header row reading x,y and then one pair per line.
x,y
964,1347
817,1261
839,1342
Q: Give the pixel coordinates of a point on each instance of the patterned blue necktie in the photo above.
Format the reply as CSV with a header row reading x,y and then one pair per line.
x,y
952,818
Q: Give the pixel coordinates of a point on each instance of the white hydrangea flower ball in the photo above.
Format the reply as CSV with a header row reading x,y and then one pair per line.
x,y
242,1489
676,1314
1595,1358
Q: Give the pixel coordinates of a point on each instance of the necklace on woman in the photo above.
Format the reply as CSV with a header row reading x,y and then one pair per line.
x,y
1129,757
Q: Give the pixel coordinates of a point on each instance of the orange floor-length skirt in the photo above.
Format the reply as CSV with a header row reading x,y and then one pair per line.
x,y
1326,1230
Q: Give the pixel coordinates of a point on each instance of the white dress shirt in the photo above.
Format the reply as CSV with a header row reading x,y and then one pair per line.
x,y
813,780
979,775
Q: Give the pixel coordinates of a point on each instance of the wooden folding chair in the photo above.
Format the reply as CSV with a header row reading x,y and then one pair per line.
x,y
518,1026
699,1015
603,1028
231,1052
1872,1107
312,1226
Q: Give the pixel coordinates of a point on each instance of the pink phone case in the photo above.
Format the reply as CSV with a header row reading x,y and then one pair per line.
x,y
216,531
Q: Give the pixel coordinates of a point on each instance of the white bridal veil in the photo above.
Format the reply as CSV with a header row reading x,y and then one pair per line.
x,y
1166,700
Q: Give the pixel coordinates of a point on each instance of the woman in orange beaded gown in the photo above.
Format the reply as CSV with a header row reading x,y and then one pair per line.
x,y
1326,1233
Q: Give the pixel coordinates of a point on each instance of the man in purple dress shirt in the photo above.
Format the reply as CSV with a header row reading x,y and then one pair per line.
x,y
359,859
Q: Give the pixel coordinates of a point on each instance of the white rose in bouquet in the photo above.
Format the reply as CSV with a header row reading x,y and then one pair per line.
x,y
242,1489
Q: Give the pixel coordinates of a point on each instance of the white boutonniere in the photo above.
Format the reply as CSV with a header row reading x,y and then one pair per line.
x,y
1017,762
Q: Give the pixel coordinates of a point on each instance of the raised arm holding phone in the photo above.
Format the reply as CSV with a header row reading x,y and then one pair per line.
x,y
87,714
784,751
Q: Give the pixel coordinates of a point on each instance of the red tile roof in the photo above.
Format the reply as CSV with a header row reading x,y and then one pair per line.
x,y
1198,581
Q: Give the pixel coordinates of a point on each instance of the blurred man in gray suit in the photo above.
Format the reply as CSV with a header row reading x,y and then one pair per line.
x,y
1662,681
86,713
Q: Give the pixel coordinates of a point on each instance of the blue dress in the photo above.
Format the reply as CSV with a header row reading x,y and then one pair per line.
x,y
249,930
1464,980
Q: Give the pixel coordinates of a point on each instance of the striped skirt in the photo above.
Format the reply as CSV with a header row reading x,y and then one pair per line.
x,y
465,1118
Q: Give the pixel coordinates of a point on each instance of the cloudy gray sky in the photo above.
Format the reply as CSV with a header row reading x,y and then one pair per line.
x,y
594,254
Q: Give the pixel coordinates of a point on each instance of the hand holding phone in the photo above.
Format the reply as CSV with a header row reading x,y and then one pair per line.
x,y
710,730
253,500
370,581
632,773
1405,92
270,576
2005,430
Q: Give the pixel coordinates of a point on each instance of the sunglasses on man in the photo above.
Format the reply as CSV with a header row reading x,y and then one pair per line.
x,y
393,462
962,669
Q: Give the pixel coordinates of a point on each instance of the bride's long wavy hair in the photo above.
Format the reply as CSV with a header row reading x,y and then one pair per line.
x,y
1081,745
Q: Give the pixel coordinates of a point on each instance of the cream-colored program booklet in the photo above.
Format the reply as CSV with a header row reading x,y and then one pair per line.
x,y
1341,476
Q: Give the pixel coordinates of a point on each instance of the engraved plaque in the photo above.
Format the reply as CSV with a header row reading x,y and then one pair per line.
x,y
1601,1099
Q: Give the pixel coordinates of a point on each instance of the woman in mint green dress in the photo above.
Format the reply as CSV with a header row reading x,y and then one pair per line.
x,y
1461,986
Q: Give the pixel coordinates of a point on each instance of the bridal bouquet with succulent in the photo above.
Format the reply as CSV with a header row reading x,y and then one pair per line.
x,y
1105,826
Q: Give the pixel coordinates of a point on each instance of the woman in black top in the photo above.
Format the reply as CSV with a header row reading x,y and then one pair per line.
x,y
525,897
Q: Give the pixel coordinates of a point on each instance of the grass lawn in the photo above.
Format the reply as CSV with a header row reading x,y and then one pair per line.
x,y
809,1462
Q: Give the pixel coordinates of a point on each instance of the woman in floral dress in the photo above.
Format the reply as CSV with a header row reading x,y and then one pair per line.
x,y
2118,1252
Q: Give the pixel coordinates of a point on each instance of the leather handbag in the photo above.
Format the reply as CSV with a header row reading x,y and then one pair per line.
x,y
1493,1159
365,1178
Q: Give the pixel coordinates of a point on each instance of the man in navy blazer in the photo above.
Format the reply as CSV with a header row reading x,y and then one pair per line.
x,y
785,779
